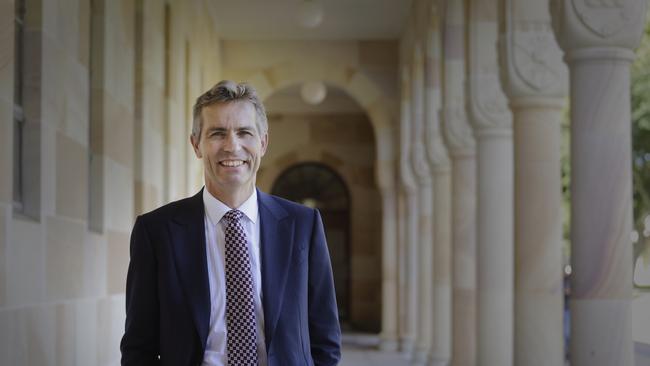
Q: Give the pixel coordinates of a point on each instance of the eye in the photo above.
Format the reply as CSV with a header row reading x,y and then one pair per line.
x,y
245,133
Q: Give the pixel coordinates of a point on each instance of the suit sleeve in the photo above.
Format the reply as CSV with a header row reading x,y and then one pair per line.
x,y
139,344
324,329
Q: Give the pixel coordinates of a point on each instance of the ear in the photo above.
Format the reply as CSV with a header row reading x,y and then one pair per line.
x,y
265,142
195,145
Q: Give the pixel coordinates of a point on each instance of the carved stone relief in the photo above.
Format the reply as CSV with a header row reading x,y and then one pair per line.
x,y
405,171
606,18
537,59
458,132
488,104
420,164
436,148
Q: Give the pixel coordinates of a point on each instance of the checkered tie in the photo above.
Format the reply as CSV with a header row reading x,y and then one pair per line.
x,y
241,344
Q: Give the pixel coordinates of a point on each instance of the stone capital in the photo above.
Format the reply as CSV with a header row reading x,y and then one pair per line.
x,y
581,24
421,168
437,152
488,105
533,61
407,178
406,173
458,132
434,143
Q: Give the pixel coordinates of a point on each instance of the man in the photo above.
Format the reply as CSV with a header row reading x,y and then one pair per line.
x,y
230,276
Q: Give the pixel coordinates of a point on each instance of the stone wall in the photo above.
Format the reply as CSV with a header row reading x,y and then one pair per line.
x,y
61,282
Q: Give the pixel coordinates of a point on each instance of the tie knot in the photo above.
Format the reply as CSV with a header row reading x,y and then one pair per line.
x,y
233,215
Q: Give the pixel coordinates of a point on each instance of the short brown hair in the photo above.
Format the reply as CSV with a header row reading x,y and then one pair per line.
x,y
229,91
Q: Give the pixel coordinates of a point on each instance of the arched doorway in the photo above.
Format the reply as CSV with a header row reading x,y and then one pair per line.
x,y
318,186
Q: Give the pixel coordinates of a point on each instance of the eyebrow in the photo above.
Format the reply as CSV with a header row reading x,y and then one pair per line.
x,y
222,129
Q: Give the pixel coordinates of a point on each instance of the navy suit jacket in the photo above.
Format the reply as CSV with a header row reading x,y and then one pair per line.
x,y
168,295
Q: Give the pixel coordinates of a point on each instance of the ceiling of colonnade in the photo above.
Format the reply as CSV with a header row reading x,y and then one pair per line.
x,y
288,101
343,20
277,19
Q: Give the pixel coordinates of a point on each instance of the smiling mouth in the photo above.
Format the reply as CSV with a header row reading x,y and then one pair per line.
x,y
232,163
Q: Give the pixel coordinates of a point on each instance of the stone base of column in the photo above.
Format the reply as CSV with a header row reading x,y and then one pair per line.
x,y
388,345
407,347
421,358
601,333
437,362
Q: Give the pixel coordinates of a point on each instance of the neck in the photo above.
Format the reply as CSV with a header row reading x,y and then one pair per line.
x,y
231,198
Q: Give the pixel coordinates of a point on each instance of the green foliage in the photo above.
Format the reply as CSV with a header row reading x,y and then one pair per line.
x,y
640,95
565,164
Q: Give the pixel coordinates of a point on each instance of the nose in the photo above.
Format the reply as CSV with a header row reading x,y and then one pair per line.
x,y
231,143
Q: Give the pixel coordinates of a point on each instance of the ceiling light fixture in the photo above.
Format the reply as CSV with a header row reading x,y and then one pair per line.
x,y
313,92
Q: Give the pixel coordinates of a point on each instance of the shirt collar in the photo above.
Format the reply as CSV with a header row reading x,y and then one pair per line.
x,y
215,209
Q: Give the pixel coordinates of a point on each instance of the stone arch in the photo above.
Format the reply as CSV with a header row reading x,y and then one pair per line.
x,y
364,273
369,96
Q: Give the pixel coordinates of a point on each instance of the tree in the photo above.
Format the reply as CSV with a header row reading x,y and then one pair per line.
x,y
640,95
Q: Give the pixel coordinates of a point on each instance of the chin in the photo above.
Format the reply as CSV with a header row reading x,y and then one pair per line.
x,y
233,184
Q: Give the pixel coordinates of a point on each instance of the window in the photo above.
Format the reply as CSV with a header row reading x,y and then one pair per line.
x,y
27,110
167,95
96,118
188,126
19,113
138,109
168,40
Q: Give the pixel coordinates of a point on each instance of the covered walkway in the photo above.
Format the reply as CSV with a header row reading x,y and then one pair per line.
x,y
363,350
440,121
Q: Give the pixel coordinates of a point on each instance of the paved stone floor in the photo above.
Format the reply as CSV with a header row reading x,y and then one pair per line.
x,y
363,350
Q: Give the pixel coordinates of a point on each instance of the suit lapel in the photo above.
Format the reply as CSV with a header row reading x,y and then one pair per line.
x,y
188,245
276,241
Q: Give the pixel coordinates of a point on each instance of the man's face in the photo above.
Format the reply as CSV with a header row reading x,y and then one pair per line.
x,y
231,147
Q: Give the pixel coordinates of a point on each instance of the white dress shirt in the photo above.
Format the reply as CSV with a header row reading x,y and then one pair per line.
x,y
215,350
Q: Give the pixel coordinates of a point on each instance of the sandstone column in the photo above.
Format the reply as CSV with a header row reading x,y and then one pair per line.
x,y
440,167
492,121
425,204
461,144
386,182
442,312
598,38
535,79
409,191
402,268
